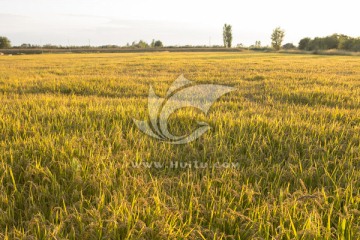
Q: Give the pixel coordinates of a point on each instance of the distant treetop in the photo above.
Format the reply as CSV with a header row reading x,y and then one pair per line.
x,y
5,42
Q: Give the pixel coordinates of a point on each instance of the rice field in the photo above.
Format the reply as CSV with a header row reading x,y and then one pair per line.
x,y
281,161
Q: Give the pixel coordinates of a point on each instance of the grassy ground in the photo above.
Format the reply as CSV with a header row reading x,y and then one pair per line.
x,y
69,148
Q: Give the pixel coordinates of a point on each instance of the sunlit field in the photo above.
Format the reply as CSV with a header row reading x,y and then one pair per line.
x,y
288,139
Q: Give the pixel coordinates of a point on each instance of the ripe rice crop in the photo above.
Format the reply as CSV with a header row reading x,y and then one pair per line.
x,y
72,158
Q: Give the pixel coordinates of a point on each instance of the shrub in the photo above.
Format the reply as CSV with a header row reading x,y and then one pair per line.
x,y
288,46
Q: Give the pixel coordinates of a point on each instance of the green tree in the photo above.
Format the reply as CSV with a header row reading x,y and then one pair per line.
x,y
350,44
304,44
140,44
158,44
277,38
332,42
335,41
227,35
5,42
143,44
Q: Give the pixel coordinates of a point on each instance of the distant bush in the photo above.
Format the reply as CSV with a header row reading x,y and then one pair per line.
x,y
140,44
109,46
50,46
261,49
288,46
28,45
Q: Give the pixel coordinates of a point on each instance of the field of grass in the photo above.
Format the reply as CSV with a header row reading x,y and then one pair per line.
x,y
71,156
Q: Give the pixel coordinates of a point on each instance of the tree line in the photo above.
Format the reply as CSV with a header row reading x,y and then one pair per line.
x,y
277,38
335,41
5,43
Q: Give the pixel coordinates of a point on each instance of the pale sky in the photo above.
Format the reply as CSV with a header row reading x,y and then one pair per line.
x,y
78,22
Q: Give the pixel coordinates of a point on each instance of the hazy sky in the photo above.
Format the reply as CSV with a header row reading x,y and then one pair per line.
x,y
76,22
